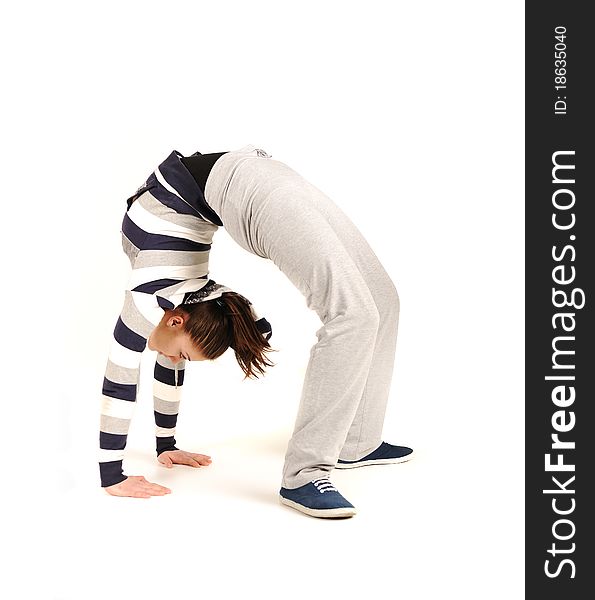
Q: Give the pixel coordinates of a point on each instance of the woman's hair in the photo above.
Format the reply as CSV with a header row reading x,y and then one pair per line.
x,y
228,322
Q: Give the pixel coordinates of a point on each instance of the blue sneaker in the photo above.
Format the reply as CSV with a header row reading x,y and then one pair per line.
x,y
319,498
383,455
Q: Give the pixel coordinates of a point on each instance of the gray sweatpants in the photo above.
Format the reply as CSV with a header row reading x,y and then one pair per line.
x,y
273,212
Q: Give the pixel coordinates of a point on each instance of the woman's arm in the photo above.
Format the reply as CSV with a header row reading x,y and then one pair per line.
x,y
166,401
119,390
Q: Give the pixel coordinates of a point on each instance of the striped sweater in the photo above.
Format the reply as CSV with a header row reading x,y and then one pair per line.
x,y
167,232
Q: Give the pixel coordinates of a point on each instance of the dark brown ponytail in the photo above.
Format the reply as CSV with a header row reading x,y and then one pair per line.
x,y
228,322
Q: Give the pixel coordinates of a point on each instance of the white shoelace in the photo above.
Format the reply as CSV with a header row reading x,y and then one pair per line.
x,y
323,484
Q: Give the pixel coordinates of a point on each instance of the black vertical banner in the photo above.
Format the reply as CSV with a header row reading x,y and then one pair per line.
x,y
560,335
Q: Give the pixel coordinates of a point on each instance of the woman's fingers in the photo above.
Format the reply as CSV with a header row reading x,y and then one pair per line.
x,y
202,459
167,461
181,457
154,488
190,461
137,487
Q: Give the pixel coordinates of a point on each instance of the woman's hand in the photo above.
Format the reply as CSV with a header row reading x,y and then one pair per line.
x,y
169,458
137,487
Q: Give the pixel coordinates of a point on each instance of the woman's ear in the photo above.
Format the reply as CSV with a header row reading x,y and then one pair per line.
x,y
174,318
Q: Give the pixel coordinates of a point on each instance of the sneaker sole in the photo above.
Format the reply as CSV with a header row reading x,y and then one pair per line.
x,y
380,461
328,513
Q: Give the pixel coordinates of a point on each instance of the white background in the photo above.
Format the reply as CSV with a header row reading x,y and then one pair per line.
x,y
410,116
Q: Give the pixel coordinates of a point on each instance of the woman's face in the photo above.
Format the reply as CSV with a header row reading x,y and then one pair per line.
x,y
170,339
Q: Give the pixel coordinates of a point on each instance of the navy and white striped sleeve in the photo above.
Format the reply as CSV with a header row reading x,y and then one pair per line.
x,y
167,384
119,391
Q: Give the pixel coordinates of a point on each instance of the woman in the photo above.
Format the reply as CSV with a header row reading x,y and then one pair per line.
x,y
172,307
